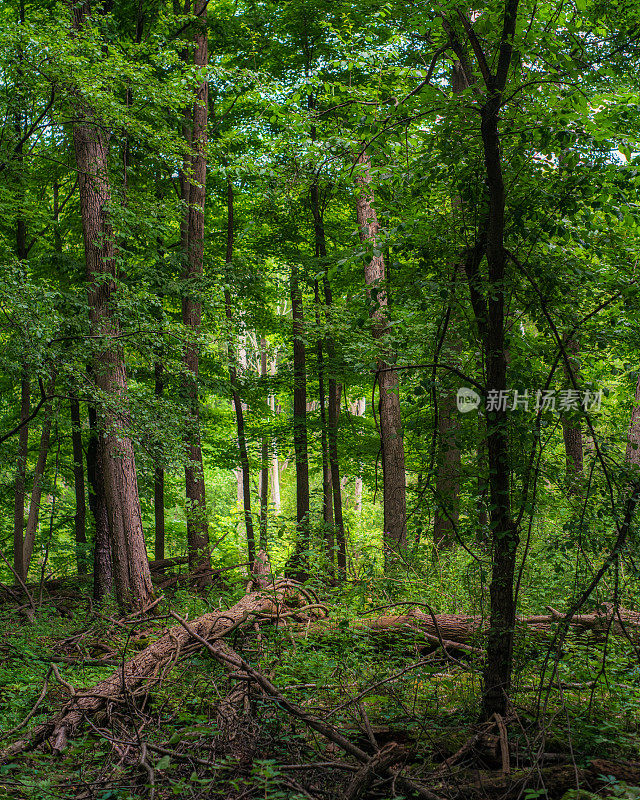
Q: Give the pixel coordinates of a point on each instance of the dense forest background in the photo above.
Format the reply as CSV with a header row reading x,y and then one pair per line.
x,y
319,334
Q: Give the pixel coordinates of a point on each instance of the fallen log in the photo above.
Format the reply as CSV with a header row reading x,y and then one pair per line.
x,y
460,631
151,664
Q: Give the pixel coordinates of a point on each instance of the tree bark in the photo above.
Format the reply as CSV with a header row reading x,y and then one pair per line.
x,y
499,662
299,557
233,377
632,454
334,388
264,466
391,436
359,411
193,230
571,427
158,480
78,480
102,570
21,472
274,469
128,550
327,495
447,513
38,478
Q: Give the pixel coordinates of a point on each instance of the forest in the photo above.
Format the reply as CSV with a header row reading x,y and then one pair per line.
x,y
319,399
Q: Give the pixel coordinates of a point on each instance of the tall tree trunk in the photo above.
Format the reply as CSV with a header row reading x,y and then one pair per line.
x,y
327,494
21,472
334,412
38,478
80,516
194,196
128,550
158,479
359,411
391,441
274,469
233,377
299,559
571,427
447,511
264,466
499,660
327,499
102,570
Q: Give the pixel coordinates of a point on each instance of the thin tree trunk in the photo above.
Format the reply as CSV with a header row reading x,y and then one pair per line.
x,y
334,411
129,555
391,441
327,494
158,480
233,377
194,196
499,661
275,470
21,472
38,478
102,569
264,466
80,516
447,511
299,559
360,407
571,427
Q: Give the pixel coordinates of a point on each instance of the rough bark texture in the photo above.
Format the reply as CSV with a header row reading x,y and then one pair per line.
x,y
632,455
130,563
80,515
102,570
499,663
21,472
392,444
193,232
233,377
38,478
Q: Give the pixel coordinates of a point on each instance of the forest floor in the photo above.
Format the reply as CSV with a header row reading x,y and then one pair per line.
x,y
273,723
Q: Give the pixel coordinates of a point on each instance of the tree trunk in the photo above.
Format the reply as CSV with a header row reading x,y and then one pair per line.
x,y
275,470
327,496
194,198
632,455
38,478
21,472
102,570
299,558
158,480
447,513
360,407
499,662
233,377
571,427
130,562
78,480
391,441
264,466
